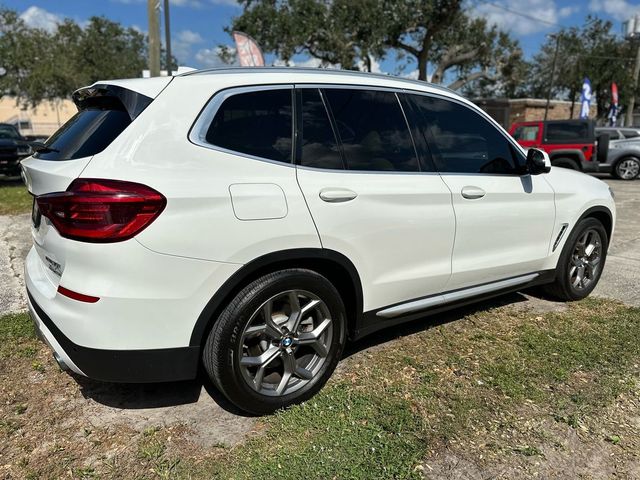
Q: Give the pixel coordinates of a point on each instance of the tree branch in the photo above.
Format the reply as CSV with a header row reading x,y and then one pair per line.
x,y
451,58
462,81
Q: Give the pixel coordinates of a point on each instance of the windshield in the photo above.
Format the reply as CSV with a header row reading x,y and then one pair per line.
x,y
7,132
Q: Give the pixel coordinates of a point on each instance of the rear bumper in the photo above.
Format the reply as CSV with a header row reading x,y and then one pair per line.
x,y
126,366
595,167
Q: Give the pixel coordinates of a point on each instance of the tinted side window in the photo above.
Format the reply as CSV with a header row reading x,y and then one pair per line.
x,y
567,132
319,147
255,123
463,141
372,129
86,133
630,134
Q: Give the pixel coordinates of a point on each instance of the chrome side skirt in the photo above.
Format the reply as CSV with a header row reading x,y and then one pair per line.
x,y
454,296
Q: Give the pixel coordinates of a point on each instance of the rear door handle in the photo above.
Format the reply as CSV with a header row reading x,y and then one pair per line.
x,y
337,195
472,193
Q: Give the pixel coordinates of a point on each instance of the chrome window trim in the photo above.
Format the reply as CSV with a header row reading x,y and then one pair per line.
x,y
198,132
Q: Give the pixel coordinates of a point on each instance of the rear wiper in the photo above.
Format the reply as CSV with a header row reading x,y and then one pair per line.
x,y
40,147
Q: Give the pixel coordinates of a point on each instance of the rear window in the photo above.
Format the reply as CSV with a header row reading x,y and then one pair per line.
x,y
86,133
568,133
104,111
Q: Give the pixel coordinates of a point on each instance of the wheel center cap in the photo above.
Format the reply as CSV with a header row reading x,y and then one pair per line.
x,y
286,342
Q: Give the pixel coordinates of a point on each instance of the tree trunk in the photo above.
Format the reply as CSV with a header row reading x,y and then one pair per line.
x,y
422,66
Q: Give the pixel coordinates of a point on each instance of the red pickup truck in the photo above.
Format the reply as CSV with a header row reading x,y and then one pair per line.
x,y
569,143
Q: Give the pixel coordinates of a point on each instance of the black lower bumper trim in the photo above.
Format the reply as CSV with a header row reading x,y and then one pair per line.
x,y
126,366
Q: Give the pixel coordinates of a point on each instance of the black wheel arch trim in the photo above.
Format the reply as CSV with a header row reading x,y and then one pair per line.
x,y
589,212
569,154
269,262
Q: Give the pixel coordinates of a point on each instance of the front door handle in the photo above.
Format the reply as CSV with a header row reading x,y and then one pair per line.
x,y
472,193
337,195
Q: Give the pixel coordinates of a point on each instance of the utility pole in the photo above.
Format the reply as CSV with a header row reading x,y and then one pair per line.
x,y
167,36
628,122
553,74
632,31
154,38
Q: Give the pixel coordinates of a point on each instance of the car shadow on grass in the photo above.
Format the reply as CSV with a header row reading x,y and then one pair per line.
x,y
163,395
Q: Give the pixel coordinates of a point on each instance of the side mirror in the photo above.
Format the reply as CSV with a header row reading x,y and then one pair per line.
x,y
538,162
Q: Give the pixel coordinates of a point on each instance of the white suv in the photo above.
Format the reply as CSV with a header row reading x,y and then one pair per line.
x,y
252,220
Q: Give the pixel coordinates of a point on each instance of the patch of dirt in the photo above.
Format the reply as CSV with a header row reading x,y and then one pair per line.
x,y
15,242
52,424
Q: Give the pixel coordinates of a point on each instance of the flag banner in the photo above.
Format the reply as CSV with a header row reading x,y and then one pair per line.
x,y
613,111
249,53
585,98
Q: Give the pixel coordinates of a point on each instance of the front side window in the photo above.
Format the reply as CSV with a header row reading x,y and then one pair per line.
x,y
319,146
526,133
255,123
372,130
462,141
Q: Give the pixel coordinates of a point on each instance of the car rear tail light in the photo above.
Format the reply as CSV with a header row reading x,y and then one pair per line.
x,y
95,210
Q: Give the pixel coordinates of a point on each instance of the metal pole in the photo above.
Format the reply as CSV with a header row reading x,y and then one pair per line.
x,y
154,38
553,73
167,36
628,122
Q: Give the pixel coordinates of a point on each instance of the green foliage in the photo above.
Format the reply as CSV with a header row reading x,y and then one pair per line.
x,y
14,199
592,51
42,65
436,33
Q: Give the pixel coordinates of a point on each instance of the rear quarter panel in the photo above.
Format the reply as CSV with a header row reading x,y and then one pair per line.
x,y
199,220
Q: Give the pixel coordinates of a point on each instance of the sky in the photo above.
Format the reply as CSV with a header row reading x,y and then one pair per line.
x,y
197,26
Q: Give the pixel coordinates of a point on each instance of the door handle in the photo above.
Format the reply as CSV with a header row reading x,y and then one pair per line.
x,y
337,195
472,193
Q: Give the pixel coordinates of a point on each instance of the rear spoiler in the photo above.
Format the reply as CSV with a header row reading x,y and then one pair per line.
x,y
132,96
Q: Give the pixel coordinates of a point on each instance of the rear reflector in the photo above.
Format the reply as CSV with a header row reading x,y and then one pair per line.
x,y
96,210
77,296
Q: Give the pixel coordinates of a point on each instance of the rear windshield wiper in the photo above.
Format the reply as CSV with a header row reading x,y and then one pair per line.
x,y
40,147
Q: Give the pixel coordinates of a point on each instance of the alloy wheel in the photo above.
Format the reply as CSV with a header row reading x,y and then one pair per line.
x,y
585,259
628,169
285,343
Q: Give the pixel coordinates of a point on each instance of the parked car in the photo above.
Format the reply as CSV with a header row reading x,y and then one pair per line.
x,y
579,145
13,148
619,133
250,221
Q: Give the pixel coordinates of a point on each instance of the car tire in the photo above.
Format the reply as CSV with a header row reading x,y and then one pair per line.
x,y
565,163
627,168
581,262
264,356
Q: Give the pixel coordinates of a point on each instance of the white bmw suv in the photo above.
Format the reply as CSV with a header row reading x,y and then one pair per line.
x,y
250,221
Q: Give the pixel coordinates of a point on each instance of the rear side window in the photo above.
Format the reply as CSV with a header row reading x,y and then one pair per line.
x,y
255,123
568,132
526,133
462,141
87,133
319,147
630,133
373,130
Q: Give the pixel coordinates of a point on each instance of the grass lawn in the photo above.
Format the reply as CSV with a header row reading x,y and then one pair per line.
x,y
14,199
509,392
